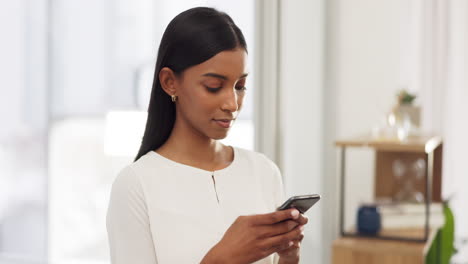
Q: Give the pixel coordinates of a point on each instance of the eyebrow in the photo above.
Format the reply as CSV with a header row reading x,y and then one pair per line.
x,y
222,76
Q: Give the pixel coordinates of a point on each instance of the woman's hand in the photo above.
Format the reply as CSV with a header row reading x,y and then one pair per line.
x,y
292,254
251,238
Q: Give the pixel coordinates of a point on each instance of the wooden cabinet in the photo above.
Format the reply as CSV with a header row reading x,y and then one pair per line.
x,y
357,250
390,247
426,147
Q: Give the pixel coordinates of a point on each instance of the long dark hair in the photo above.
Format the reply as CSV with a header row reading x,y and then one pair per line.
x,y
191,38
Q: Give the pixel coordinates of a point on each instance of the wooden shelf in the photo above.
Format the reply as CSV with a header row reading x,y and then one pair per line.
x,y
415,147
359,250
424,143
395,248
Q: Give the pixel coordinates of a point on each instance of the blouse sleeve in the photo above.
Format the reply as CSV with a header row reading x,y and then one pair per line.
x,y
274,188
278,186
278,193
273,183
127,222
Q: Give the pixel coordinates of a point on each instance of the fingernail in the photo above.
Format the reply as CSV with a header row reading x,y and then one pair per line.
x,y
291,243
301,228
295,213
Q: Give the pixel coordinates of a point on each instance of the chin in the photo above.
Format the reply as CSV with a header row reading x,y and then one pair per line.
x,y
219,136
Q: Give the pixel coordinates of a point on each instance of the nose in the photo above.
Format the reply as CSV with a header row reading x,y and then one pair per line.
x,y
230,101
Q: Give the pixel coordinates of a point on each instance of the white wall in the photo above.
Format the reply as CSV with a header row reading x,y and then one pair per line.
x,y
362,77
363,62
338,77
301,110
455,126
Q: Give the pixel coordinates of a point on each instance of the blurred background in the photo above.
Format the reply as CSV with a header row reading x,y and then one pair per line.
x,y
75,79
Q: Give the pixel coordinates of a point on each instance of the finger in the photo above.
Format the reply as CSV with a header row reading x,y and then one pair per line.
x,y
282,247
276,229
296,216
295,245
267,248
302,219
275,217
283,240
302,228
297,233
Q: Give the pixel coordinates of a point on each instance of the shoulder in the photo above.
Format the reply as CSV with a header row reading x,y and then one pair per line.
x,y
269,175
128,180
258,159
126,183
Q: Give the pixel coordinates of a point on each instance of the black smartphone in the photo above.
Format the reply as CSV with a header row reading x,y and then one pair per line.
x,y
301,202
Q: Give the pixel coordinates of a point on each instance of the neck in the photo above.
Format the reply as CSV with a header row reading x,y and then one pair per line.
x,y
188,146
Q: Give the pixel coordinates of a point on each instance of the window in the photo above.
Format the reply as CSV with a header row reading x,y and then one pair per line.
x,y
65,95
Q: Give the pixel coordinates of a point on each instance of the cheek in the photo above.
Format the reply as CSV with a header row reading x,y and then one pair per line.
x,y
197,104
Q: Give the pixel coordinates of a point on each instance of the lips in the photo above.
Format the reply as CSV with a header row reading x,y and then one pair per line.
x,y
224,123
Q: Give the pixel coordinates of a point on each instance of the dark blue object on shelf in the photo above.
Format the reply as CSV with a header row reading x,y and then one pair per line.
x,y
368,220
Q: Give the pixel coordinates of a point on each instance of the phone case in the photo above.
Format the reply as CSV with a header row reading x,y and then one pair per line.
x,y
302,203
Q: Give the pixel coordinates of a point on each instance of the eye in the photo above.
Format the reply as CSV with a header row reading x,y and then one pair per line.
x,y
213,89
240,85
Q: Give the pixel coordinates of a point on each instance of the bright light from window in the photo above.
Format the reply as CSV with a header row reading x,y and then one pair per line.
x,y
124,131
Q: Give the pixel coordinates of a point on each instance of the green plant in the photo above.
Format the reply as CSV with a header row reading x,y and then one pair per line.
x,y
442,247
405,98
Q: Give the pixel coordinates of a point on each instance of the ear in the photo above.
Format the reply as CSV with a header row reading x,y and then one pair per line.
x,y
168,80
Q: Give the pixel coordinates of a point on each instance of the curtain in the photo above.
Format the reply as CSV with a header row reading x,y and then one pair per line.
x,y
443,90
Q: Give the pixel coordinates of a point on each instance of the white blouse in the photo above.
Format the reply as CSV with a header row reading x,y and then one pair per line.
x,y
165,212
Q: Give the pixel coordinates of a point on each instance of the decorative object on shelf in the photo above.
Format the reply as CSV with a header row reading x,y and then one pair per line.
x,y
396,215
406,177
402,121
368,220
405,98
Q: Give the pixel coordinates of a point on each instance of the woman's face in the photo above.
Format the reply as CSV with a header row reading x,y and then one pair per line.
x,y
210,94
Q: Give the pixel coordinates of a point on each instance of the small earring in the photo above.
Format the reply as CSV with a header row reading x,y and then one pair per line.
x,y
174,98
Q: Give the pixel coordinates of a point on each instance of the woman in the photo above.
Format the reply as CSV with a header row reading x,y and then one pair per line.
x,y
188,198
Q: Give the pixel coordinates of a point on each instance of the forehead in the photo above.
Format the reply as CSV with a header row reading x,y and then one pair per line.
x,y
231,63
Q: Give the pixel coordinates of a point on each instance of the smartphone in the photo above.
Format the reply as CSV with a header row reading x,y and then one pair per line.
x,y
302,202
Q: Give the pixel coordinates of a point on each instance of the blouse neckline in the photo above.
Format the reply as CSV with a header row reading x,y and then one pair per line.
x,y
182,165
